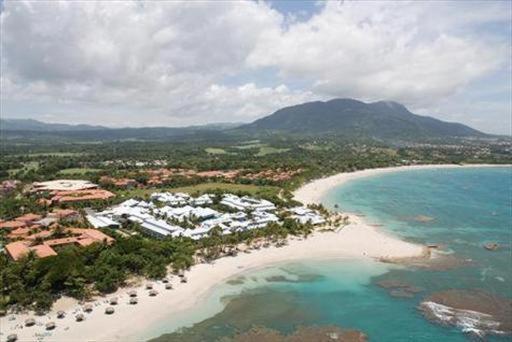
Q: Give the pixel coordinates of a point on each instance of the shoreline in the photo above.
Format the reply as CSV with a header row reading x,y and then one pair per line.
x,y
357,240
314,191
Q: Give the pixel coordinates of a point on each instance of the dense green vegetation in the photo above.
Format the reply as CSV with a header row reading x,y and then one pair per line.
x,y
83,272
316,156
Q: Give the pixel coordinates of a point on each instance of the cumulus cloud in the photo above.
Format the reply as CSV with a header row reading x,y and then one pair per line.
x,y
379,50
170,61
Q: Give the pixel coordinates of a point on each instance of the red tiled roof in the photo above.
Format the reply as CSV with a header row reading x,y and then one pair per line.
x,y
12,224
43,235
43,251
19,249
20,232
61,241
29,217
81,195
82,237
63,213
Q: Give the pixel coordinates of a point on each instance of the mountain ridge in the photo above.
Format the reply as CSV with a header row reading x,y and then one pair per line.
x,y
353,118
348,118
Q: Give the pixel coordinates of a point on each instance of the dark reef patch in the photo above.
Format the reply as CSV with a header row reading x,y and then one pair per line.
x,y
473,311
302,334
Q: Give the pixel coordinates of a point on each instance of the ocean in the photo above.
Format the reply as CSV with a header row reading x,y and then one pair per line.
x,y
460,210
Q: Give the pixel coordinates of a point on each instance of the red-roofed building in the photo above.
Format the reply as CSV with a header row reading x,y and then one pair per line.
x,y
19,249
81,195
29,218
65,214
9,225
80,237
19,233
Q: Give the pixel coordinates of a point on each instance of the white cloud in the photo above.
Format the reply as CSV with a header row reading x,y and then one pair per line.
x,y
379,50
169,61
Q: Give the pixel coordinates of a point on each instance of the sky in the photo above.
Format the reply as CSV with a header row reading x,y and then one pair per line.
x,y
172,63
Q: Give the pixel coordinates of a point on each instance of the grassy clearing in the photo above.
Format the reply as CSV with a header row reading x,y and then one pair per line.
x,y
249,146
215,150
312,147
203,188
32,165
78,171
270,150
54,154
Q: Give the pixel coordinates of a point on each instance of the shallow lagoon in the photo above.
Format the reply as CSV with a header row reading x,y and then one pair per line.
x,y
460,209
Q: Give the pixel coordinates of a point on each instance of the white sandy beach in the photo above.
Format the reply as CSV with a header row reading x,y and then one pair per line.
x,y
314,191
357,240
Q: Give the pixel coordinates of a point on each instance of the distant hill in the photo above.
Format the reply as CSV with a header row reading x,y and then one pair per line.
x,y
352,118
34,130
346,118
34,125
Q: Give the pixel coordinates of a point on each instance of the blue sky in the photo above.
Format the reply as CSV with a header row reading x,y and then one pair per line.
x,y
180,63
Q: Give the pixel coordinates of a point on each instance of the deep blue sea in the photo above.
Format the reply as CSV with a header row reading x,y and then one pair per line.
x,y
459,209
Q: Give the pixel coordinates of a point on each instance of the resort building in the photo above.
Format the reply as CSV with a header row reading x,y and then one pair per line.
x,y
246,203
63,185
17,250
202,200
76,236
27,220
197,221
125,183
81,195
159,228
305,215
173,199
98,221
68,215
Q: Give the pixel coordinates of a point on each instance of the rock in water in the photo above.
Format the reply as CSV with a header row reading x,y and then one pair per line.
x,y
491,246
473,311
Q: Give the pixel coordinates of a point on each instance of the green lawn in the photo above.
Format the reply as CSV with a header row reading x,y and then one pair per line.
x,y
78,171
55,154
215,150
312,147
203,188
249,146
270,150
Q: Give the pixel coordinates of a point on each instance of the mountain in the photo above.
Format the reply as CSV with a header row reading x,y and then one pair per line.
x,y
352,118
33,130
347,118
34,125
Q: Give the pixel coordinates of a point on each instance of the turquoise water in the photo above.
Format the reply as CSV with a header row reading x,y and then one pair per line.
x,y
466,208
460,209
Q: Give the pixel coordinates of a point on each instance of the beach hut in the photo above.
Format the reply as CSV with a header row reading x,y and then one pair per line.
x,y
109,311
149,286
50,325
12,338
61,314
133,301
79,317
184,279
113,301
88,307
168,286
132,293
30,322
153,293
